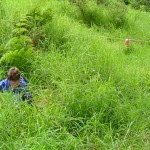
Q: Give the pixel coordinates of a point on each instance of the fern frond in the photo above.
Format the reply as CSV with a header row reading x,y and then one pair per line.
x,y
11,42
19,31
22,25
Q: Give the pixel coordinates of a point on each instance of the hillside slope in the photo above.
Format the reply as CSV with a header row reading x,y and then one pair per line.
x,y
90,91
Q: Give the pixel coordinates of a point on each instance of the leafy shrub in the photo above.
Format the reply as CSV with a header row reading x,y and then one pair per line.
x,y
92,14
36,20
127,2
117,12
18,52
27,33
141,4
112,13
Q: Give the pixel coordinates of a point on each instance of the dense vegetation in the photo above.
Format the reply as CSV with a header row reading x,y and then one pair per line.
x,y
90,91
139,4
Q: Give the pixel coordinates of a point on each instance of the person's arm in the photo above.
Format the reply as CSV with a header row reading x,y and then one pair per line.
x,y
23,82
2,85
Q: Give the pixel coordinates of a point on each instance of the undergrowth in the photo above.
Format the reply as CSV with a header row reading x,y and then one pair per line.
x,y
89,90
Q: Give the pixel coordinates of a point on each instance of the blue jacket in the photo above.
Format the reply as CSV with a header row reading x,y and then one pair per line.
x,y
4,84
21,89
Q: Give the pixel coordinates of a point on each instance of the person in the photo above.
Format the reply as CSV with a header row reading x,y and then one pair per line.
x,y
17,85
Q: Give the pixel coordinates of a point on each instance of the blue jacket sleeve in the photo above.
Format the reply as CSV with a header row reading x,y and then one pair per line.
x,y
4,85
1,85
23,82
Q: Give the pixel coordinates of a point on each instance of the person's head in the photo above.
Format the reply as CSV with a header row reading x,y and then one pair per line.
x,y
13,76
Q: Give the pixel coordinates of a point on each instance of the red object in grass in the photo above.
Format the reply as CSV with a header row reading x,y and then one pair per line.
x,y
126,42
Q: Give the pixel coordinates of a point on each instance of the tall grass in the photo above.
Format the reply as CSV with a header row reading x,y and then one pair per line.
x,y
88,92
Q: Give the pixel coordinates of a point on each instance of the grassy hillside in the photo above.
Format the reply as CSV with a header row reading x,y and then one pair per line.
x,y
90,91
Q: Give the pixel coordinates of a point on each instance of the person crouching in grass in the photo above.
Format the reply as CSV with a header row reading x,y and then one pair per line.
x,y
17,84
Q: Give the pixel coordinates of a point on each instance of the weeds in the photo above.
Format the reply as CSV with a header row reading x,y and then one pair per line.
x,y
89,92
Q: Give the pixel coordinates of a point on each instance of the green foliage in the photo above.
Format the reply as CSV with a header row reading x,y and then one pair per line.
x,y
22,24
19,58
117,13
2,10
18,31
19,49
112,14
18,42
127,2
37,20
18,52
89,90
141,4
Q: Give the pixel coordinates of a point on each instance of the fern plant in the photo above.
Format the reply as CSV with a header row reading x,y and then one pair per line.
x,y
26,36
18,52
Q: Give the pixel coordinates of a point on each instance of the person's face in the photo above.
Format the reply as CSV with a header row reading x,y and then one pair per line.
x,y
14,84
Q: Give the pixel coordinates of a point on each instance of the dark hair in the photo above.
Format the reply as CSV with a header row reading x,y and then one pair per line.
x,y
13,74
